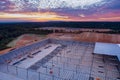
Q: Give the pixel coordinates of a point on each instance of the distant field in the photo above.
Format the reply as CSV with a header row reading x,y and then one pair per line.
x,y
98,37
89,37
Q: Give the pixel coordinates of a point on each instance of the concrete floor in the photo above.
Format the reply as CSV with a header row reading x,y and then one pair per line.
x,y
30,61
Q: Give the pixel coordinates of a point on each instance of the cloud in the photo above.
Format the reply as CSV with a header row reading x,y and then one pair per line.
x,y
82,15
75,4
36,5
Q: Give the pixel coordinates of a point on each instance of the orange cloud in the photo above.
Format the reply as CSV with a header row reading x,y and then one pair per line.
x,y
33,16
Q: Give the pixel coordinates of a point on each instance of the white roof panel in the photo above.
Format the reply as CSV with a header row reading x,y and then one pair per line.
x,y
108,49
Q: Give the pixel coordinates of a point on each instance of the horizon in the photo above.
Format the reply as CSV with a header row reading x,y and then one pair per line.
x,y
2,22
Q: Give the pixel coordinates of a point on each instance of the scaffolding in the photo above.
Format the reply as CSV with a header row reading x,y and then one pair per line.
x,y
71,61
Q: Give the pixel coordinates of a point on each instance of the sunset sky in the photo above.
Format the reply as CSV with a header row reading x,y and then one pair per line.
x,y
59,10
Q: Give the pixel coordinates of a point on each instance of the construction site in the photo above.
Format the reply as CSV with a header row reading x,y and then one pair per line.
x,y
59,39
53,59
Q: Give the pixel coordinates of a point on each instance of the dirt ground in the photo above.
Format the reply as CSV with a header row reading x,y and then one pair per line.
x,y
89,37
23,40
98,37
27,39
6,50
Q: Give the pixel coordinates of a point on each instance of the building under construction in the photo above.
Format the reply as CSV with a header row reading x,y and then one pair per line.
x,y
53,59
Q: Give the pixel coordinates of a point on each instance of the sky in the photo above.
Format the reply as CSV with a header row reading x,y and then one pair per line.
x,y
59,10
